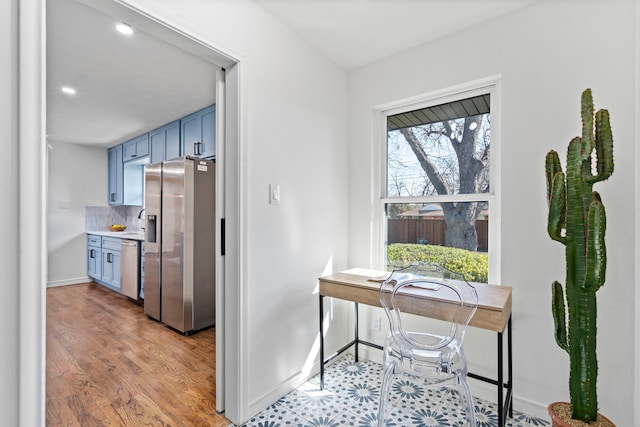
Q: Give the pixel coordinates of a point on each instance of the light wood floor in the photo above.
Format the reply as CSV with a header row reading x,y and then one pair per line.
x,y
108,364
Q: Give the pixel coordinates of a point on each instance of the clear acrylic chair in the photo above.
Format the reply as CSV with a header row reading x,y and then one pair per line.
x,y
427,349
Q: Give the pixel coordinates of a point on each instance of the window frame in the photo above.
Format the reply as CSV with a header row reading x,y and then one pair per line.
x,y
378,216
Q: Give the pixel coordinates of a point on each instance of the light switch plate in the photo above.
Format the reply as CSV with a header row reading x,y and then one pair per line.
x,y
274,194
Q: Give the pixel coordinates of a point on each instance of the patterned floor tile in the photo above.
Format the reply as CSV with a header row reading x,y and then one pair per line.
x,y
351,398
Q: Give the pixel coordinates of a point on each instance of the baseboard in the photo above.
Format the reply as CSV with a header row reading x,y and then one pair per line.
x,y
267,399
529,407
78,280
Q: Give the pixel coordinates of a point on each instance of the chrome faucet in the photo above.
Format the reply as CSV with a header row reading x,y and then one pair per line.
x,y
141,217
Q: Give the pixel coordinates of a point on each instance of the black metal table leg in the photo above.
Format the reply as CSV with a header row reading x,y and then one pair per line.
x,y
356,332
321,343
501,420
510,368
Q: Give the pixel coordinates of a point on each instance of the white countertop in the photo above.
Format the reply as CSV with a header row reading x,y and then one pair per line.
x,y
134,235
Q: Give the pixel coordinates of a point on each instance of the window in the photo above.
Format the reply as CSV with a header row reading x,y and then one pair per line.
x,y
438,190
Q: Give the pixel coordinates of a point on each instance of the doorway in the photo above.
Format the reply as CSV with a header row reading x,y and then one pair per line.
x,y
226,173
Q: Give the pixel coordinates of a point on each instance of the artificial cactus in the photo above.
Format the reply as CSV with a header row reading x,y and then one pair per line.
x,y
577,220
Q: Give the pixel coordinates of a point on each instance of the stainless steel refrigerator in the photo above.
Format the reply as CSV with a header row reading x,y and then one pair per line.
x,y
179,257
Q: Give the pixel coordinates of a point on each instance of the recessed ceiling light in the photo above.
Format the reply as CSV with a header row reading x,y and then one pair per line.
x,y
68,90
124,28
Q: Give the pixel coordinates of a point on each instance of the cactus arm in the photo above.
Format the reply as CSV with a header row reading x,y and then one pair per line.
x,y
556,197
557,209
596,249
559,320
604,147
587,124
552,166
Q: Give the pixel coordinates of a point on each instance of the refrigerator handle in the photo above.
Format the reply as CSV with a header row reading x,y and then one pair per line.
x,y
151,228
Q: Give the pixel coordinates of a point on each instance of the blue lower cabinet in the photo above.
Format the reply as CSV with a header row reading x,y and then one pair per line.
x,y
111,262
94,257
103,261
111,269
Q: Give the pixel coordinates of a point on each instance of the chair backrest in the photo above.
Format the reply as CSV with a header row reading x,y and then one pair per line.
x,y
430,290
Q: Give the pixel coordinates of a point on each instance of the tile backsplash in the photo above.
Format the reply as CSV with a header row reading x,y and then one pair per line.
x,y
99,218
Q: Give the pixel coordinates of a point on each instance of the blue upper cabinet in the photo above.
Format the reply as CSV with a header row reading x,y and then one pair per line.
x,y
116,172
165,142
198,133
136,148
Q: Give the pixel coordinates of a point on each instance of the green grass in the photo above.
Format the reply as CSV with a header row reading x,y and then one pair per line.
x,y
474,265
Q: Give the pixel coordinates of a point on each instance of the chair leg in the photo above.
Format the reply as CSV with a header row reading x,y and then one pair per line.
x,y
465,391
387,379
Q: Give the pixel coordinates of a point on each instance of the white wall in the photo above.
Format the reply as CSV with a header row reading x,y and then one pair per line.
x,y
77,178
544,67
546,55
293,134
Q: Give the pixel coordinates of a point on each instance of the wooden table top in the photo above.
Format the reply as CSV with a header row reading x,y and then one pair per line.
x,y
494,301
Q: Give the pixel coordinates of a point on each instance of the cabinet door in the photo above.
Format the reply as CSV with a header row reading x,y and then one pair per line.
x,y
208,121
157,140
94,262
142,145
136,148
172,143
107,266
198,133
165,142
116,172
111,268
191,133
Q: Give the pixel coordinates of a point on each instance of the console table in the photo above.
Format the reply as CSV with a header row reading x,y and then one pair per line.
x,y
493,313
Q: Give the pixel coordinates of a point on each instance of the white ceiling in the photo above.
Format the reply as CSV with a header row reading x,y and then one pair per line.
x,y
357,32
129,85
126,85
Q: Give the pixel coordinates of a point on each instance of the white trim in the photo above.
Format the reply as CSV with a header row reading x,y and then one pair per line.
x,y
495,177
32,160
489,85
636,364
66,282
378,180
479,197
236,363
219,215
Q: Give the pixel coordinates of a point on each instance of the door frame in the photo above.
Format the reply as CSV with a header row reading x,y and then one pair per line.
x,y
33,196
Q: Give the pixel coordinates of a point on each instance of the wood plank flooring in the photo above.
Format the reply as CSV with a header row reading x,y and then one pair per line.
x,y
108,364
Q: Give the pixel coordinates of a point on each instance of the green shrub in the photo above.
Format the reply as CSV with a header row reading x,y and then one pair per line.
x,y
474,265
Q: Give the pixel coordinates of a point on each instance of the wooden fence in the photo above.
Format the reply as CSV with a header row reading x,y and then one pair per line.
x,y
431,231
